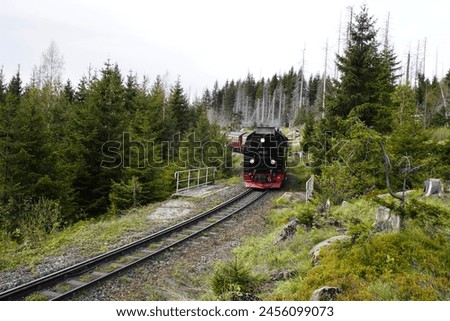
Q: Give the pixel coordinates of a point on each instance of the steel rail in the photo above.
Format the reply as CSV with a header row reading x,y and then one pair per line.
x,y
85,266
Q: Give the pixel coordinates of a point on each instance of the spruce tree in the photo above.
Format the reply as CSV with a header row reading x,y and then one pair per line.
x,y
229,98
313,90
146,150
131,92
367,76
100,123
216,97
250,87
81,91
8,111
30,167
15,87
178,106
69,92
160,117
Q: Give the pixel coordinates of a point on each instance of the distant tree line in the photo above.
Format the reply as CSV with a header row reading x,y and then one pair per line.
x,y
282,100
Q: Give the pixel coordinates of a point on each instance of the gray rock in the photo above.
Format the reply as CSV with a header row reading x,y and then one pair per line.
x,y
282,275
386,221
287,231
315,251
326,293
325,208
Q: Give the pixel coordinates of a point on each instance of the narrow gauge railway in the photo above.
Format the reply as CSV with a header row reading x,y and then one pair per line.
x,y
63,284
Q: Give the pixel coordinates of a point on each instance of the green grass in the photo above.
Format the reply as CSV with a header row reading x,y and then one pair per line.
x,y
87,278
440,134
125,260
61,288
407,265
280,202
108,268
233,180
87,237
154,246
37,297
263,256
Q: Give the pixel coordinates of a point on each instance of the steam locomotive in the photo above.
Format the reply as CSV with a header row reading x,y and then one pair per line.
x,y
265,155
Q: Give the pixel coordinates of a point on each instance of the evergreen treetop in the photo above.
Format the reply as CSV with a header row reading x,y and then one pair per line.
x,y
367,75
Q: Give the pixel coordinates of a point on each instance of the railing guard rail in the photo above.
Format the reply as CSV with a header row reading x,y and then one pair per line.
x,y
196,177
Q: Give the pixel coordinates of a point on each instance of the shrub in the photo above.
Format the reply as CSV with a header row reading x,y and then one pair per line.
x,y
232,278
280,202
125,195
36,220
424,214
337,183
305,213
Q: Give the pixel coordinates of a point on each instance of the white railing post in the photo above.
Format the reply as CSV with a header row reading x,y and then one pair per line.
x,y
309,188
189,179
176,175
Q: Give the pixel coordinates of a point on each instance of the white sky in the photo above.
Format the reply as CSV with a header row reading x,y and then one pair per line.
x,y
202,41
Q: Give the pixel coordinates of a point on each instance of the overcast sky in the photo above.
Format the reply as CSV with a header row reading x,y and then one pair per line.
x,y
202,41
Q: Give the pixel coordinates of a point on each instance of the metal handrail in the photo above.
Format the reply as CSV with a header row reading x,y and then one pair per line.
x,y
197,179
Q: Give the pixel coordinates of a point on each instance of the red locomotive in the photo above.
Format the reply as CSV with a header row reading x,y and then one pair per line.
x,y
265,156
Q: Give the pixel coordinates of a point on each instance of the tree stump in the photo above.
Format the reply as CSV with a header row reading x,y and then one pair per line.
x,y
432,186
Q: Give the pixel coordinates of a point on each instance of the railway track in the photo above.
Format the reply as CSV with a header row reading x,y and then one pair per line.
x,y
65,283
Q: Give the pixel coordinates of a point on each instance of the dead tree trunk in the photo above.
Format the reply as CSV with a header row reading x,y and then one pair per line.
x,y
432,186
401,198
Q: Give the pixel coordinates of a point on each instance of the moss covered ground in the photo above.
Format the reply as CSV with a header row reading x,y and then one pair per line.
x,y
411,264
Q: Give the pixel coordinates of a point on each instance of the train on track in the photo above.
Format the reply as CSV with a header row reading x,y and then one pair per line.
x,y
237,140
265,156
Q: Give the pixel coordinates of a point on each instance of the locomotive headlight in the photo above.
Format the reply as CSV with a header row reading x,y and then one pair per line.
x,y
252,161
262,140
273,162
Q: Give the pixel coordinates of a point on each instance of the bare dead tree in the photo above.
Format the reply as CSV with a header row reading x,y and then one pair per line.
x,y
388,167
52,66
407,170
324,81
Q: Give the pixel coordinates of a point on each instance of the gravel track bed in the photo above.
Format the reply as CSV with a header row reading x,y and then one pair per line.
x,y
72,256
175,275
